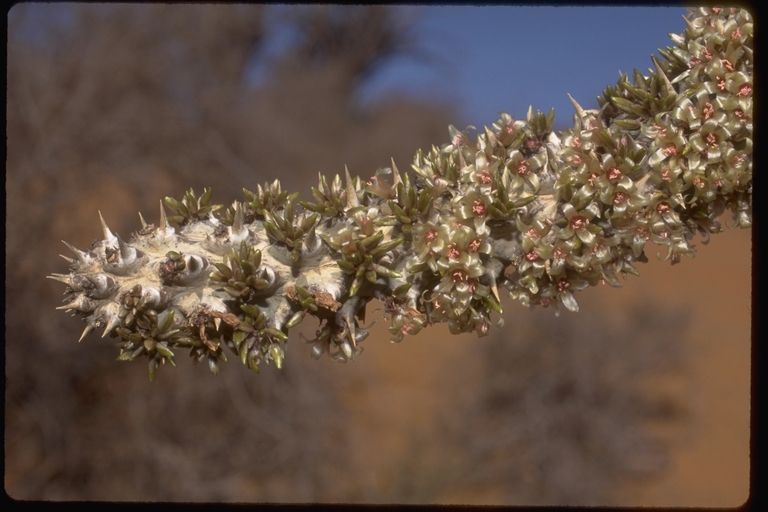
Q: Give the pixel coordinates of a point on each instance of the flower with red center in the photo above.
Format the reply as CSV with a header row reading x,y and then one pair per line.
x,y
564,289
472,210
693,62
662,207
578,222
721,84
699,182
728,64
707,54
619,197
736,34
576,159
461,248
522,168
708,110
458,275
665,175
669,150
485,176
427,243
712,140
532,256
744,90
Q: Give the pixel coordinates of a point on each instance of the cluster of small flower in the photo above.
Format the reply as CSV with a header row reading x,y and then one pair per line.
x,y
539,214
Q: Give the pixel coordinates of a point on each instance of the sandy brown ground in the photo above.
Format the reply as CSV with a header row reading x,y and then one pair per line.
x,y
711,464
710,455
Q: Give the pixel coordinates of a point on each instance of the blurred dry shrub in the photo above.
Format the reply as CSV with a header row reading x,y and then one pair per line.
x,y
574,410
112,107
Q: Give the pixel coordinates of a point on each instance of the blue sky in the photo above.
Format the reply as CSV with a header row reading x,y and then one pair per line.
x,y
487,59
506,58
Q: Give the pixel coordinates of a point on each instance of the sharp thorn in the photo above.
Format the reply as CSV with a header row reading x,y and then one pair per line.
x,y
143,222
217,322
81,303
352,201
495,291
80,254
351,327
311,240
62,278
88,328
579,109
108,235
67,258
124,249
163,217
670,89
237,225
677,38
397,179
690,25
113,322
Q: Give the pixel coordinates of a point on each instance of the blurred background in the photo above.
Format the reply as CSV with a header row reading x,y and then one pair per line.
x,y
640,399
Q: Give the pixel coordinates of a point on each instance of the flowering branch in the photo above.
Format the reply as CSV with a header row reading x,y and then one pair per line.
x,y
522,209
